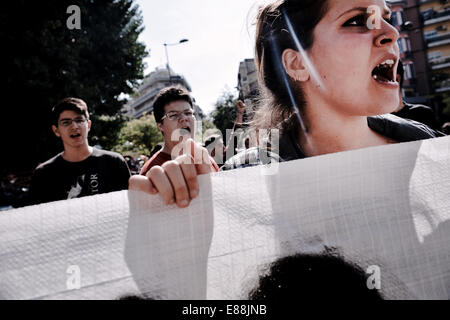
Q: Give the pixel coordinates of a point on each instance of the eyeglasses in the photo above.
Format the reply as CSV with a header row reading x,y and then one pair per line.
x,y
174,116
68,122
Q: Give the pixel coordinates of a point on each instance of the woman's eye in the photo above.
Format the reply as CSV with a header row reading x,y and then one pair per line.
x,y
358,21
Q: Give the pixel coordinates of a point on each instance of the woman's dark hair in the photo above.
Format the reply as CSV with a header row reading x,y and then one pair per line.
x,y
307,277
273,36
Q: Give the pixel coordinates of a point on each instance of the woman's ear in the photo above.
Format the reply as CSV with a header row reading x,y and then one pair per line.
x,y
295,65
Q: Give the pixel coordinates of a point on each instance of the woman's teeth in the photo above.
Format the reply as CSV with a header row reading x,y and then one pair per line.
x,y
384,71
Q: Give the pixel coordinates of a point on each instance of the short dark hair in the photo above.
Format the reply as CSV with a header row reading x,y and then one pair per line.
x,y
166,96
74,104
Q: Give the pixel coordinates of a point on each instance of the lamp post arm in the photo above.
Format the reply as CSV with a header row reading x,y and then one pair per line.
x,y
167,60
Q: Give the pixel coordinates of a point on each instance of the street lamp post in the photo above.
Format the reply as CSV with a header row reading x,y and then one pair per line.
x,y
167,54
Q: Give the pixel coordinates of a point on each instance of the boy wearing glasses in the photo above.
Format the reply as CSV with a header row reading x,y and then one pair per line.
x,y
173,111
80,170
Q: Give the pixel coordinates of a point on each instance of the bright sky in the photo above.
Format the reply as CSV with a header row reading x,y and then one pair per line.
x,y
220,33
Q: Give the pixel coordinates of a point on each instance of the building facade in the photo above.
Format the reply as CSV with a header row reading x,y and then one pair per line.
x,y
248,81
142,102
436,30
424,27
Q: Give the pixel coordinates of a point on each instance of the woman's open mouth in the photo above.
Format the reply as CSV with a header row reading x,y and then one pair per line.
x,y
384,73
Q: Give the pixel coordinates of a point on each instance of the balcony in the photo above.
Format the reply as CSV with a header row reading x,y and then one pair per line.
x,y
431,16
438,40
441,81
442,86
397,2
440,63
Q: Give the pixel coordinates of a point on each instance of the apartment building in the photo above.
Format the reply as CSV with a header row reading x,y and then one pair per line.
x,y
424,27
436,31
142,102
247,80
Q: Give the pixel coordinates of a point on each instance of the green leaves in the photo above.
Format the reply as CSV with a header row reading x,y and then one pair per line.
x,y
138,137
45,62
224,113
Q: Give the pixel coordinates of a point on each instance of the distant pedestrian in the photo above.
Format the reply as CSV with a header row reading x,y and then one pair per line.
x,y
216,148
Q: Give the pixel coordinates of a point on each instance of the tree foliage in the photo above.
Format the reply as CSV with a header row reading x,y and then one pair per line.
x,y
224,114
446,109
47,62
138,137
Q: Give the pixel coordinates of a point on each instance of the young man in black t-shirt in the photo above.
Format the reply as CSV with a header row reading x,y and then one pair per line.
x,y
80,170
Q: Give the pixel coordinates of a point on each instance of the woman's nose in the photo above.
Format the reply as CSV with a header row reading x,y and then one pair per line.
x,y
388,35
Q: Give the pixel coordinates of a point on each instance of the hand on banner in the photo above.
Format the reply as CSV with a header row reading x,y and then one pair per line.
x,y
176,180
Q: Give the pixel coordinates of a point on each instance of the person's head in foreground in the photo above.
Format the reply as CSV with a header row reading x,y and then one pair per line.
x,y
174,115
326,65
71,123
320,277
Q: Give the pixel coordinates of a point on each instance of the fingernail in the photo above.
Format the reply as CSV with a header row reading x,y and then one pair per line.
x,y
183,203
194,193
171,201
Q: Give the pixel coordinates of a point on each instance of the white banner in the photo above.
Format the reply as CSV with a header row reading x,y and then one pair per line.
x,y
385,208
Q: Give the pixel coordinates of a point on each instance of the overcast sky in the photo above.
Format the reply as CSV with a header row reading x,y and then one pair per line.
x,y
220,33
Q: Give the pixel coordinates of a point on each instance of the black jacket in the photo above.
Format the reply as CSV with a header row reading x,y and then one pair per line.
x,y
388,125
417,112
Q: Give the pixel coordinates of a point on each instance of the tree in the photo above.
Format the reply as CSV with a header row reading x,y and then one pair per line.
x,y
224,114
138,137
47,61
446,109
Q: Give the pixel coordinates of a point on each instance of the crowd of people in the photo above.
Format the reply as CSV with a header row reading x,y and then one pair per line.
x,y
318,105
329,83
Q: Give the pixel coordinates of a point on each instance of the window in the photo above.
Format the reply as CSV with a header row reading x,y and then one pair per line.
x,y
430,34
401,17
409,71
404,44
434,55
427,14
400,46
408,43
394,19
